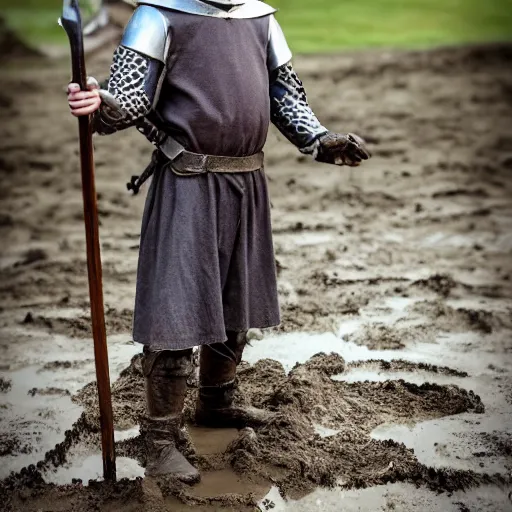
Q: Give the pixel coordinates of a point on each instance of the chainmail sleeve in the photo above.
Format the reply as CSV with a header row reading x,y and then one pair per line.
x,y
290,111
131,92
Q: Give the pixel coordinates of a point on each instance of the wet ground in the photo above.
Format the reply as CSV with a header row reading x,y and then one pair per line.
x,y
399,272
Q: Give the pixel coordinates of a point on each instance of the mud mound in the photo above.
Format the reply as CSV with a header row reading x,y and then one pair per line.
x,y
289,446
29,482
308,396
313,313
75,327
442,284
116,322
11,46
378,337
398,365
451,319
334,278
310,389
131,496
127,396
308,316
79,498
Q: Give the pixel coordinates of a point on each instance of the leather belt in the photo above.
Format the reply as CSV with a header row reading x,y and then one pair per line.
x,y
186,162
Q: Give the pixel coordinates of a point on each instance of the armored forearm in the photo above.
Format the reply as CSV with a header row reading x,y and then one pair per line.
x,y
290,111
131,92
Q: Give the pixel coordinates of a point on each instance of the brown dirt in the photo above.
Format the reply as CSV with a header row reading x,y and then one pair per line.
x,y
80,327
427,220
379,337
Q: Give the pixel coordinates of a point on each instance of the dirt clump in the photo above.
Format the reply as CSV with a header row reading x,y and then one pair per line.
x,y
448,318
498,443
51,391
128,397
442,284
308,396
63,365
11,444
378,337
80,326
32,256
5,385
399,365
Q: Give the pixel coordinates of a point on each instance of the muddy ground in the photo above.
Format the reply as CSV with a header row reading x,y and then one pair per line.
x,y
391,371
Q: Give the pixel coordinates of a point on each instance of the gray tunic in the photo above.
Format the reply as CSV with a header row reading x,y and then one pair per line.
x,y
206,259
215,99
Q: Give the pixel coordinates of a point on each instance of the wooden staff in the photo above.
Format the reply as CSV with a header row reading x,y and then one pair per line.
x,y
72,23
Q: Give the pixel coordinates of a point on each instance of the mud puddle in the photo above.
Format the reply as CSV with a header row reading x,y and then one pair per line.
x,y
91,468
396,497
464,442
35,415
458,442
37,405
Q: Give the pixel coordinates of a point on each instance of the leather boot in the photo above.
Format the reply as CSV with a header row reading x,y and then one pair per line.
x,y
166,374
217,384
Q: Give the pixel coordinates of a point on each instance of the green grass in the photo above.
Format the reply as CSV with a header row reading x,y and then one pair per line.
x,y
38,26
323,25
34,20
319,25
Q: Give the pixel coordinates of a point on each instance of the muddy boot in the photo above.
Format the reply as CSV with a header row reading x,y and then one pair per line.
x,y
217,371
166,374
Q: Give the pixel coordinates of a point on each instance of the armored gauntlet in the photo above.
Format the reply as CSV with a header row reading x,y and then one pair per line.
x,y
294,118
335,148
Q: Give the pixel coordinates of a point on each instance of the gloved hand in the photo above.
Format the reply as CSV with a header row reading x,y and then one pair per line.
x,y
339,149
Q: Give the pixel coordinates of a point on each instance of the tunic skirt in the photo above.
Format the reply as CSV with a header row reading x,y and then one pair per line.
x,y
206,262
206,259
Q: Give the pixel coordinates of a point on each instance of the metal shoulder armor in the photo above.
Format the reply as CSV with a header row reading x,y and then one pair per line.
x,y
278,53
227,9
147,33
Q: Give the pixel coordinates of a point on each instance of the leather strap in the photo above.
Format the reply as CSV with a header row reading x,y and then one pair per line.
x,y
186,162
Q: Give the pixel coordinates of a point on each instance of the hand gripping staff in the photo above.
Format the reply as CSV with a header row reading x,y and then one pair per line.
x,y
72,23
